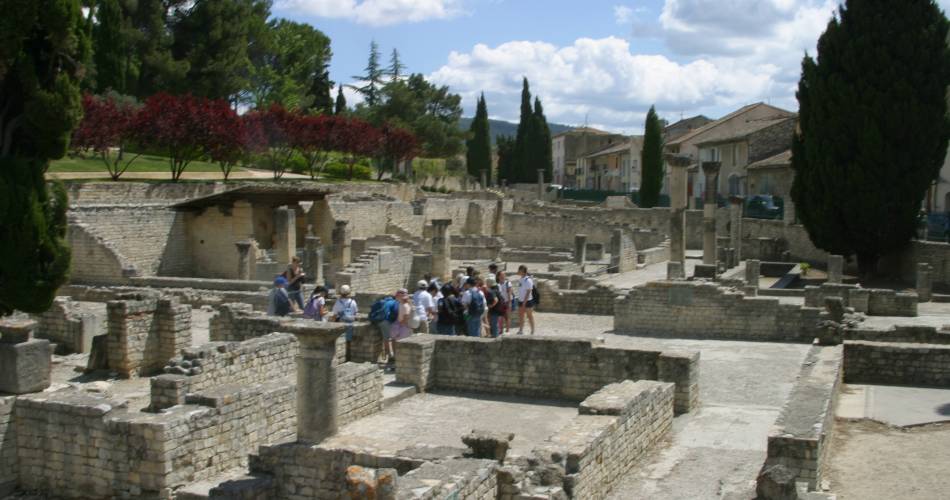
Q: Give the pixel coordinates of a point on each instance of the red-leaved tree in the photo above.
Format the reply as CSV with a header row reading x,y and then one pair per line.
x,y
357,138
107,126
314,137
396,145
232,137
179,126
276,143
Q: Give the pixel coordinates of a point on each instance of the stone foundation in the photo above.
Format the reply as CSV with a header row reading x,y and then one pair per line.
x,y
71,325
596,300
144,332
925,365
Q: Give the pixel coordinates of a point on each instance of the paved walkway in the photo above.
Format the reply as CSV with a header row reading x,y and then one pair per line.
x,y
191,176
894,405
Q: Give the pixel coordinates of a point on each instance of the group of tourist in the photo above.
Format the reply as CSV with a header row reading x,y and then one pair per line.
x,y
471,305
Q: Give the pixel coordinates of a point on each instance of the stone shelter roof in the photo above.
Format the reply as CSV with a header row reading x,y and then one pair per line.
x,y
781,160
266,194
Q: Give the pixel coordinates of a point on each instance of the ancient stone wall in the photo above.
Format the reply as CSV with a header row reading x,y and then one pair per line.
x,y
144,332
106,193
71,325
380,269
8,456
597,300
790,237
94,260
533,230
871,301
366,216
359,391
460,212
616,426
925,365
535,367
684,309
801,437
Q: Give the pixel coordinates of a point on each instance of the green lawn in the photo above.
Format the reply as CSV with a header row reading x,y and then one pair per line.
x,y
144,163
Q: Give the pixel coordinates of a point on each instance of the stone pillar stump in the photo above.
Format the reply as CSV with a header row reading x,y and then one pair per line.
x,y
711,171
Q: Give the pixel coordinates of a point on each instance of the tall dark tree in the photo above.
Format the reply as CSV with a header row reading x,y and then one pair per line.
x,y
396,68
873,126
212,36
153,67
289,67
478,146
523,146
372,79
506,157
339,107
542,157
651,161
430,112
42,46
321,102
110,47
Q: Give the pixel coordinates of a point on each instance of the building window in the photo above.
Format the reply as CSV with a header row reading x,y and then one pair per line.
x,y
734,185
735,154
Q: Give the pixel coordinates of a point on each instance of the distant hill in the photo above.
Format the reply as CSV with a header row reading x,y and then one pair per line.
x,y
500,127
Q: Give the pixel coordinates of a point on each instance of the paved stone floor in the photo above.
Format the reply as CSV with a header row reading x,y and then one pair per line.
x,y
717,451
894,405
437,421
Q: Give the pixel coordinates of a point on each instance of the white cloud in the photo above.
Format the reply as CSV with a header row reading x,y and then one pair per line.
x,y
375,12
600,80
623,14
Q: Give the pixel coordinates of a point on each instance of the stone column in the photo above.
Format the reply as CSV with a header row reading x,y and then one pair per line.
x,y
580,248
541,184
441,251
285,229
736,203
316,388
674,270
711,172
25,362
924,282
484,179
678,166
244,260
499,222
788,216
835,268
313,259
752,272
340,243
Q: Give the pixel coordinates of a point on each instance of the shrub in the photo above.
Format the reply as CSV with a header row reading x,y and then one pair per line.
x,y
341,170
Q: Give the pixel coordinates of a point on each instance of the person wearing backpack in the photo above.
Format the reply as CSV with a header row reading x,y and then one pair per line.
x,y
447,309
473,302
526,299
278,303
506,294
316,306
496,307
383,314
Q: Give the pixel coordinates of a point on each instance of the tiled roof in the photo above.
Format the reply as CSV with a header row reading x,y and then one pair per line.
x,y
712,125
783,159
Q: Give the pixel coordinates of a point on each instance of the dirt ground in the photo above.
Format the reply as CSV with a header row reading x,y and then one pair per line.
x,y
873,461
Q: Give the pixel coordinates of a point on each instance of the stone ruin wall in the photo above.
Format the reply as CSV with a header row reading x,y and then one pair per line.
x,y
8,452
535,367
870,301
379,269
925,365
597,300
71,325
685,309
145,332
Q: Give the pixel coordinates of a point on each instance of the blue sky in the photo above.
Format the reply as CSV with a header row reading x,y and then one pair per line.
x,y
600,61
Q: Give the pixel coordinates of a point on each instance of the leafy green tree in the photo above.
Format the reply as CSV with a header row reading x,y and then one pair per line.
x,y
110,47
213,37
506,157
430,112
523,147
542,157
339,107
42,46
478,146
396,67
873,126
372,79
289,67
651,161
152,66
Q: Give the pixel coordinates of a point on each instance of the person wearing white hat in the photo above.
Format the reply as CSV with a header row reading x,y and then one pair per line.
x,y
424,307
344,311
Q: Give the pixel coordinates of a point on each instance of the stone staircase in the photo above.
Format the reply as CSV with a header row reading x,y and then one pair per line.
x,y
403,234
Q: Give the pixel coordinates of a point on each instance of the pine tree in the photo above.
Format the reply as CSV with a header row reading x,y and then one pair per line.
x,y
523,149
321,102
478,153
373,78
340,107
651,161
543,158
396,67
110,48
873,126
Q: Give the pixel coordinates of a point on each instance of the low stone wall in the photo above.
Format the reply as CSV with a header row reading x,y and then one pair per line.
x,y
461,478
469,247
654,255
535,366
71,325
359,391
897,333
144,332
8,442
73,444
597,300
703,310
382,269
801,437
925,365
216,364
871,301
615,427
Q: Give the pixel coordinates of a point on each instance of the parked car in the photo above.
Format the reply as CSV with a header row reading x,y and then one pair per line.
x,y
764,206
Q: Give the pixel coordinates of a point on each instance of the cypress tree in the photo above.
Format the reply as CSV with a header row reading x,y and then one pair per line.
x,y
321,102
110,48
543,156
340,107
478,153
506,157
522,153
873,126
651,161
